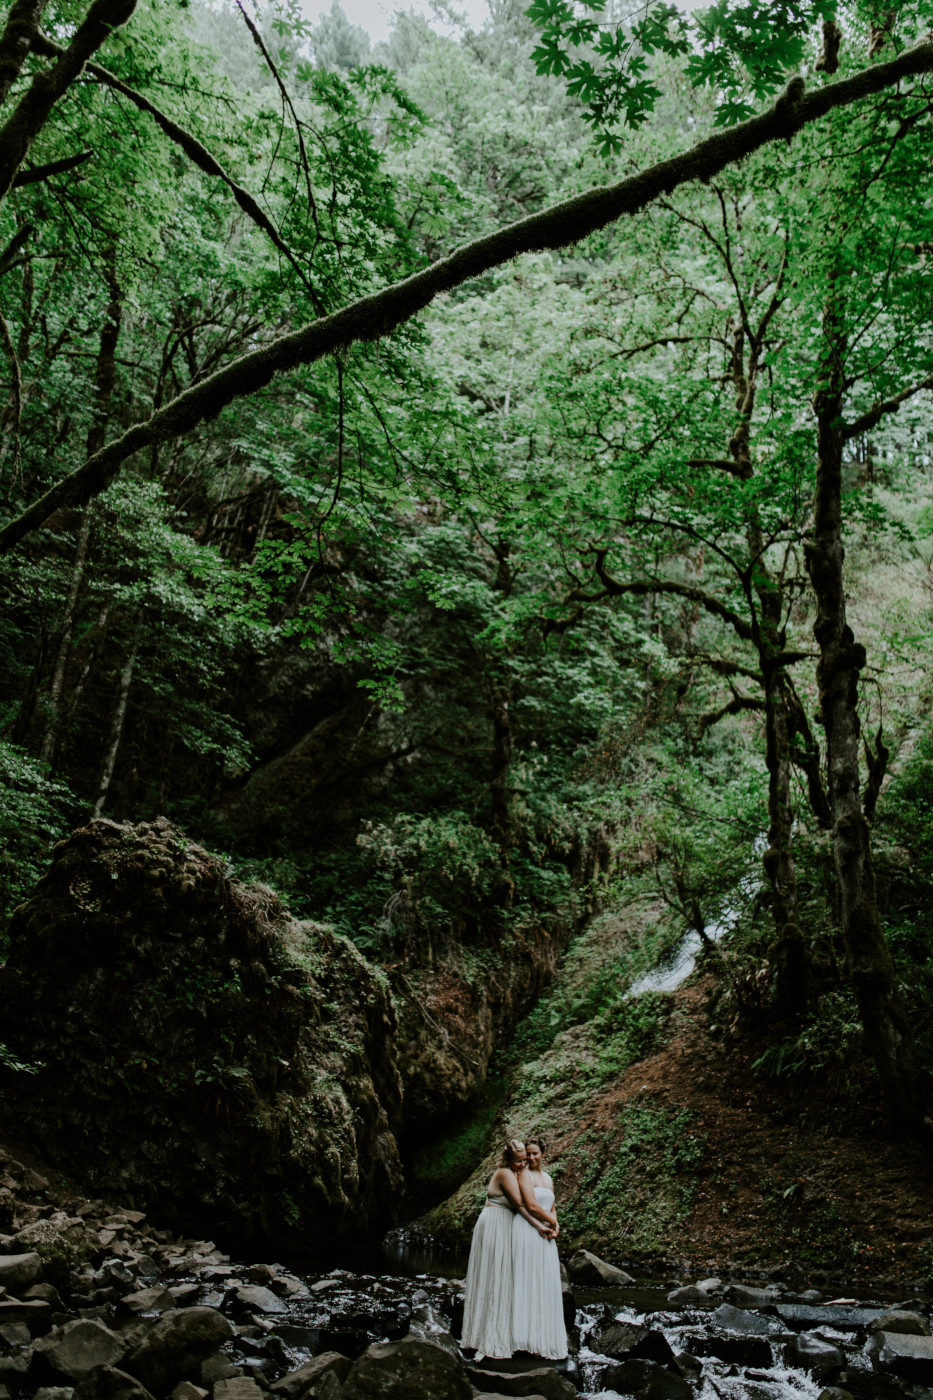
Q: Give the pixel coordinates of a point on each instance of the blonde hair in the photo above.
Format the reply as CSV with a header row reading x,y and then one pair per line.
x,y
512,1149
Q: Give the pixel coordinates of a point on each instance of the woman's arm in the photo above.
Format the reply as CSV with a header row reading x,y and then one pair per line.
x,y
530,1203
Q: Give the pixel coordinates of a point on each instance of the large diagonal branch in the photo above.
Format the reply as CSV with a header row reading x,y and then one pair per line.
x,y
32,111
194,149
382,312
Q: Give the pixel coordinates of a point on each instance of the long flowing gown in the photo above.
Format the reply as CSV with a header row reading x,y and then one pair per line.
x,y
537,1304
487,1312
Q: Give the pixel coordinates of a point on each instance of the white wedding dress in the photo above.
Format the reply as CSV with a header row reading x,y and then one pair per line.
x,y
537,1303
487,1312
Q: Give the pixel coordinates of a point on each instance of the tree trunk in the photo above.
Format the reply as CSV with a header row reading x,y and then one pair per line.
x,y
47,749
116,731
888,1035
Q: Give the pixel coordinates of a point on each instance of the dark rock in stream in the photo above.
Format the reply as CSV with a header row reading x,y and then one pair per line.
x,y
584,1267
749,1324
739,1351
910,1358
814,1355
646,1380
402,1370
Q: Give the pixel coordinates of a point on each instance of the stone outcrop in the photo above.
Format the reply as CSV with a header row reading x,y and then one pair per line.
x,y
199,1051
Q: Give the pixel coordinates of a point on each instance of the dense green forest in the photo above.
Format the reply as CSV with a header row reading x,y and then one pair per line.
x,y
483,480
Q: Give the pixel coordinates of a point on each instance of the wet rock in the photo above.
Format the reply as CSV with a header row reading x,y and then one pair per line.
x,y
147,1300
909,1357
187,1390
646,1380
46,1293
588,1268
296,1384
749,1324
740,1351
709,1286
54,1392
834,1392
252,1297
689,1366
814,1355
688,1296
185,1294
622,1340
237,1388
217,1367
35,1313
400,1370
801,1318
542,1380
175,1344
910,1324
77,1349
109,1383
747,1297
19,1271
15,1334
811,1295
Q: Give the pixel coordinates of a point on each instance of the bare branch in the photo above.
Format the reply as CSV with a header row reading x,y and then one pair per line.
x,y
615,587
54,167
879,410
734,707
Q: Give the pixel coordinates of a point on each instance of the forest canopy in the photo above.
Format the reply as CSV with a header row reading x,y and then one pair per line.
x,y
461,477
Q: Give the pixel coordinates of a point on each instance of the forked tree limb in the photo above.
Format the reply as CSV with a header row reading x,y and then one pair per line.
x,y
32,111
194,149
382,312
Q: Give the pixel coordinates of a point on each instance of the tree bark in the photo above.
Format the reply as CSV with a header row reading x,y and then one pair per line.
x,y
378,315
116,731
21,28
906,1087
32,111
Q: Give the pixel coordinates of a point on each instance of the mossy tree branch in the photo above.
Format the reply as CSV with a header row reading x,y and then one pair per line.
x,y
379,314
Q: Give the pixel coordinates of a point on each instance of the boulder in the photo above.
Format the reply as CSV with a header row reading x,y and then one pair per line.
x,y
297,1383
689,1296
263,1043
146,1300
175,1345
834,1392
187,1390
237,1388
54,1392
801,1318
910,1358
739,1351
909,1324
405,1370
19,1271
35,1312
747,1297
814,1355
586,1268
109,1383
542,1380
77,1349
645,1380
749,1324
621,1340
252,1297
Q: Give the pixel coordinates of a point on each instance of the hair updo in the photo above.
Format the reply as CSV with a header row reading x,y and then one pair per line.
x,y
512,1149
538,1141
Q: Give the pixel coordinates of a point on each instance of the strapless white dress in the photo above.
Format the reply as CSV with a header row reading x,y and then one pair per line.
x,y
487,1311
537,1304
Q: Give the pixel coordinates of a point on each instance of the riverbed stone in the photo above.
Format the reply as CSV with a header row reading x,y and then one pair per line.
x,y
254,1298
36,1313
586,1268
910,1324
689,1295
645,1380
738,1350
77,1349
802,1318
909,1357
175,1345
147,1300
237,1388
187,1390
408,1369
749,1324
110,1383
19,1271
814,1355
297,1383
746,1297
622,1340
542,1380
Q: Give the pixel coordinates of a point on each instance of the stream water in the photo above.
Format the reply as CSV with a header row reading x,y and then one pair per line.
x,y
735,1346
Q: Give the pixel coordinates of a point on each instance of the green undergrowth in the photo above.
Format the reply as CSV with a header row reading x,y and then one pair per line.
x,y
438,1165
635,1180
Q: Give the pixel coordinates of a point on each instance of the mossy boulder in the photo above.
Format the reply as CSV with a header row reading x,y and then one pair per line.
x,y
200,1051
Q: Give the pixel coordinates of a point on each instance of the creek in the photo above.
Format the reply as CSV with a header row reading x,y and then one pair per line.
x,y
731,1343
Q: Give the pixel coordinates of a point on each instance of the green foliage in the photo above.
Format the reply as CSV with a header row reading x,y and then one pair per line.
x,y
636,1179
35,812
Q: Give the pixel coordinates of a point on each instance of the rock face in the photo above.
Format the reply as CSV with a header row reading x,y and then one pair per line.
x,y
154,989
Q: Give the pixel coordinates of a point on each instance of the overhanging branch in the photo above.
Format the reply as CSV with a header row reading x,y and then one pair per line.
x,y
379,314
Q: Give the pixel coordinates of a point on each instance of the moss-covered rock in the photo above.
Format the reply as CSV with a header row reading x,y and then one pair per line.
x,y
200,1050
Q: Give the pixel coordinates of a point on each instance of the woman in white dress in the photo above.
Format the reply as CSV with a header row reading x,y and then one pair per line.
x,y
537,1300
488,1300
